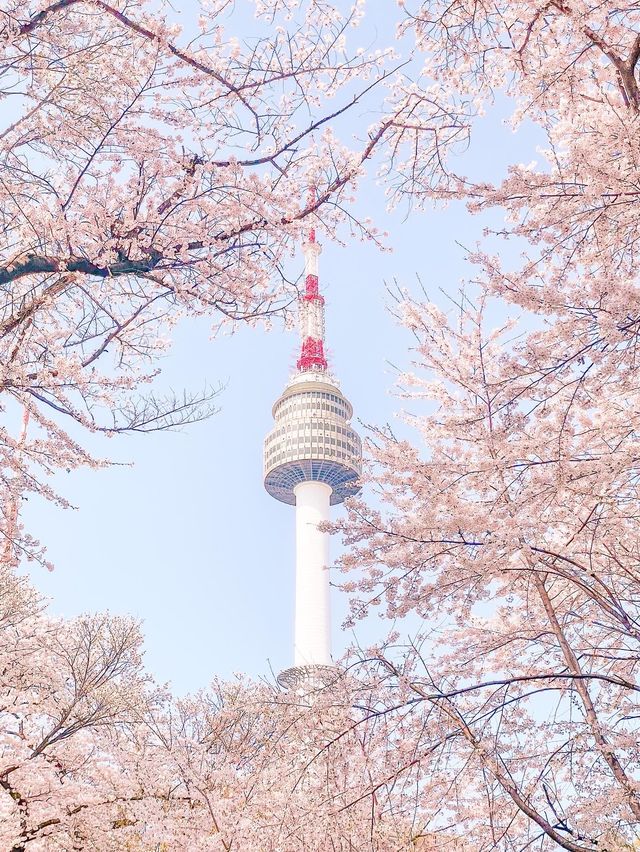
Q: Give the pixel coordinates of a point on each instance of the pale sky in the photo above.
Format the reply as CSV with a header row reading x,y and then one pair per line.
x,y
182,533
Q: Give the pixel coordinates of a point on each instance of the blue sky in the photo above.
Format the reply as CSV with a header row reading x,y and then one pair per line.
x,y
181,533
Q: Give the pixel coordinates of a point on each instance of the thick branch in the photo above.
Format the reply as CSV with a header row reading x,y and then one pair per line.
x,y
492,767
581,688
35,264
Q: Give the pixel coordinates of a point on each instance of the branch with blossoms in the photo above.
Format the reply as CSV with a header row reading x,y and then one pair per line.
x,y
513,540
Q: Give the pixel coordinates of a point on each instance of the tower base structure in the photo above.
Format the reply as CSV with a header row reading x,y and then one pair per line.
x,y
306,679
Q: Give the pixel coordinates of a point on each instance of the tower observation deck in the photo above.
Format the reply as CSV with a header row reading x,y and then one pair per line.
x,y
312,460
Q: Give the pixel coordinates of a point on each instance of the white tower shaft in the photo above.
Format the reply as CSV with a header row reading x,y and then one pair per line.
x,y
313,615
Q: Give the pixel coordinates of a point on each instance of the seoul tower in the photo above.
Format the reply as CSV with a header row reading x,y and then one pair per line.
x,y
312,460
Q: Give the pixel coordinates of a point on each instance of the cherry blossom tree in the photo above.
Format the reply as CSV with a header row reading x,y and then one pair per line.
x,y
293,772
149,174
95,756
510,530
71,695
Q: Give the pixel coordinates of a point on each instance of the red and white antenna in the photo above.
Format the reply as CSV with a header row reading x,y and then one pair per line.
x,y
311,310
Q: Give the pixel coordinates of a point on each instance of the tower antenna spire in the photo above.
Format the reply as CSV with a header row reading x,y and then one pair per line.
x,y
311,307
312,460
